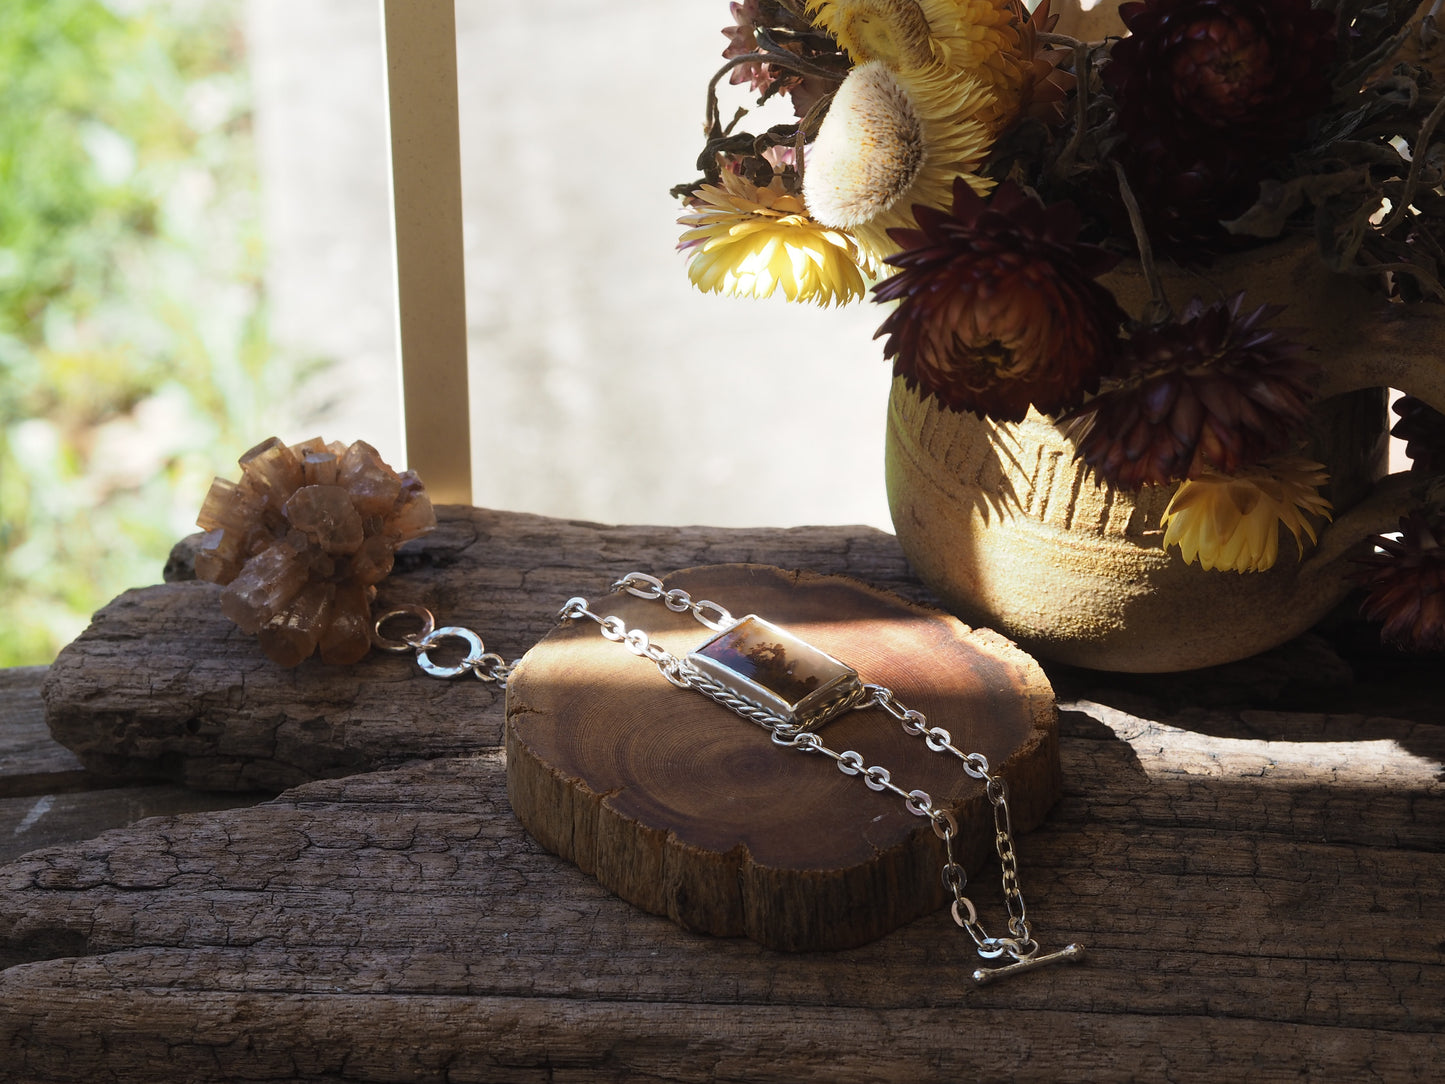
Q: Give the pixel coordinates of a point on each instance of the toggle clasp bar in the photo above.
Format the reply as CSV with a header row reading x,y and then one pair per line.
x,y
1071,953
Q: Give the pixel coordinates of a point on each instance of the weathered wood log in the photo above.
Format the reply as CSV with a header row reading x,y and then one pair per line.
x,y
47,796
679,806
29,754
161,684
1254,863
399,926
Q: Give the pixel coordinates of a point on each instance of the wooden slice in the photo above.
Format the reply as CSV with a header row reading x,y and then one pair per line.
x,y
687,810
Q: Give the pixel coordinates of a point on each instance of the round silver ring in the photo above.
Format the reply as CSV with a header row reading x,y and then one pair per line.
x,y
406,643
475,652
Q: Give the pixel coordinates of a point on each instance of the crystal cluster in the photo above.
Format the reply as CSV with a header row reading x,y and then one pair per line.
x,y
301,541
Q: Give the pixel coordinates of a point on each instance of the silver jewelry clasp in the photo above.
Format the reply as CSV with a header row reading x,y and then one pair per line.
x,y
1069,954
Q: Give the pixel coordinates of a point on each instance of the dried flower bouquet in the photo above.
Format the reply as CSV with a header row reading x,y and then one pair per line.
x,y
979,171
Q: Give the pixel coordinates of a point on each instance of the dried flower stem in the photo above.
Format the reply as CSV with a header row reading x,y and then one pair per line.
x,y
1159,307
712,106
1066,157
780,59
1417,158
1423,278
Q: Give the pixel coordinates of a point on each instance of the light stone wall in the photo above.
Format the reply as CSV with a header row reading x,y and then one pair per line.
x,y
602,385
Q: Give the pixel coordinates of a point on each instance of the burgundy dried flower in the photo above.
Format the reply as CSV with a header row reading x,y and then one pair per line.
x,y
1230,72
1422,428
301,541
792,34
1406,582
1213,390
1209,94
997,308
1185,200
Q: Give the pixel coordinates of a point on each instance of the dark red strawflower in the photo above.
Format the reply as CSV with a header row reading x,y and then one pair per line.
x,y
1212,391
997,307
1233,71
1406,582
1208,96
1422,428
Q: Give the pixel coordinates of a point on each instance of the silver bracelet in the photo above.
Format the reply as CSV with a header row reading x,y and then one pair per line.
x,y
770,677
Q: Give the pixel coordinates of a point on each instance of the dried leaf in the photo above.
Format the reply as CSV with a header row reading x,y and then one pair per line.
x,y
1279,201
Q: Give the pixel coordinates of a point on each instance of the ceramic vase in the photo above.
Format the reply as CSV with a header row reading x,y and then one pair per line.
x,y
1013,533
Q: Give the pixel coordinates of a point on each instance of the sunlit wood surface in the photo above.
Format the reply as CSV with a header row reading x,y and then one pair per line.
x,y
1253,857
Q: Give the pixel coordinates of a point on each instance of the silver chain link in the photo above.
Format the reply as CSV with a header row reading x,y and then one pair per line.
x,y
1020,947
478,661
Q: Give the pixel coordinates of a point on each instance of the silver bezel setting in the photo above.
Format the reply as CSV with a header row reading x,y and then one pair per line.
x,y
800,684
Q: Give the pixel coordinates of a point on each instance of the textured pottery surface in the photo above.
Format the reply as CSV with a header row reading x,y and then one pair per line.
x,y
1013,534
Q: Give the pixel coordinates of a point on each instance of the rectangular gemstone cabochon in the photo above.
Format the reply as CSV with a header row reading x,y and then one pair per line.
x,y
775,659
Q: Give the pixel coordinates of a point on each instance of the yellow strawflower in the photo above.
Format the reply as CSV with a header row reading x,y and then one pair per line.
x,y
982,38
750,242
1232,522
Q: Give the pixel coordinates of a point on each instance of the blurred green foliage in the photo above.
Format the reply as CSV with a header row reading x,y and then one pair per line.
x,y
133,353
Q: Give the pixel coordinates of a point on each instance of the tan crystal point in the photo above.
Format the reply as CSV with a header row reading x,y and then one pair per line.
x,y
219,557
414,515
301,540
328,518
321,468
228,507
374,487
272,471
292,635
373,560
267,583
347,636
